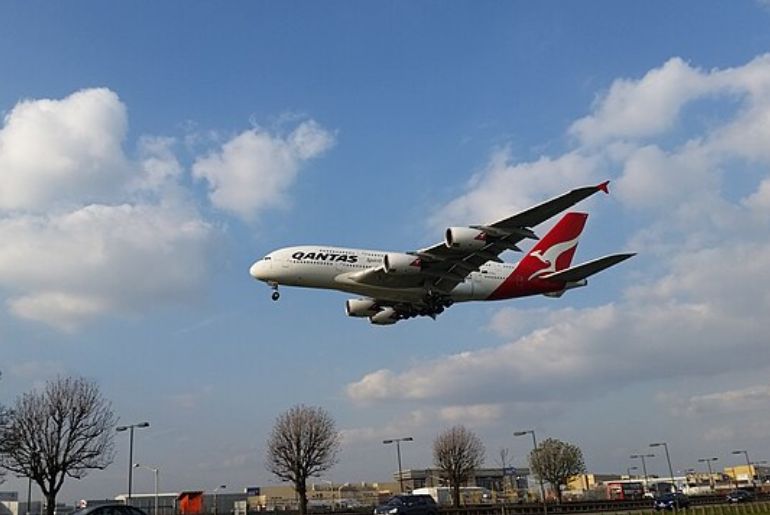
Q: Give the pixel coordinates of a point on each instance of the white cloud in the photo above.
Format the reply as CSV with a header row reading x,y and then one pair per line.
x,y
62,151
254,170
503,188
643,108
65,269
751,399
473,415
84,230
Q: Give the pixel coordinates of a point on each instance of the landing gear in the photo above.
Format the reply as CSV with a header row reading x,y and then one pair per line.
x,y
276,294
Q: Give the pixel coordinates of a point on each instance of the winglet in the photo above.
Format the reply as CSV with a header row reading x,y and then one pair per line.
x,y
603,187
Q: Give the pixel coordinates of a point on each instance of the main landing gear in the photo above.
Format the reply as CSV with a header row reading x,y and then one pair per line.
x,y
276,294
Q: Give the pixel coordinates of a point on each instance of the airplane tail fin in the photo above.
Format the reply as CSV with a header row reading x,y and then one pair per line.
x,y
554,252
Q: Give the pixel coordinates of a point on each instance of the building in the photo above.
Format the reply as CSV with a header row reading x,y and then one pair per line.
x,y
509,483
748,475
324,495
193,502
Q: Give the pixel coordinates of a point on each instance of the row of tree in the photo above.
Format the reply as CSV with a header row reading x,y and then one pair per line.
x,y
305,443
66,429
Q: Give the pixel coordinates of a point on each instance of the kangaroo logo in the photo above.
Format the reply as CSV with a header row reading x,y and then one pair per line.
x,y
550,256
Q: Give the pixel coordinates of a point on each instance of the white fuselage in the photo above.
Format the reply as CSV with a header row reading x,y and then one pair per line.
x,y
334,268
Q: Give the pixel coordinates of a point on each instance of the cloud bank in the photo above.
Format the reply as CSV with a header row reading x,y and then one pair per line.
x,y
88,230
687,151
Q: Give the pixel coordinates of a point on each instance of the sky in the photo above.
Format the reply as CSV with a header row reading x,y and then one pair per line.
x,y
150,152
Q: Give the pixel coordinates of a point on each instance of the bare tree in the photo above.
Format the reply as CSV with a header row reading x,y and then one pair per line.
x,y
458,452
64,430
556,461
304,442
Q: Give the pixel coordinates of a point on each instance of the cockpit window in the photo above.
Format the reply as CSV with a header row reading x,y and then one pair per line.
x,y
267,258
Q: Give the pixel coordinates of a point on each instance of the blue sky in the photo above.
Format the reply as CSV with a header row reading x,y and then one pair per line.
x,y
149,153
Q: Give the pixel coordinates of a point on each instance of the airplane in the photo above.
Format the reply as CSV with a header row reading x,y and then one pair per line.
x,y
466,266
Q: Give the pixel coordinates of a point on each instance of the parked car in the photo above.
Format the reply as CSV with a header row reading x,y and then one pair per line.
x,y
740,496
408,505
110,509
671,500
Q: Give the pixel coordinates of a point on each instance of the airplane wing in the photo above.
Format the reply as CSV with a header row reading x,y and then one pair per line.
x,y
585,270
465,250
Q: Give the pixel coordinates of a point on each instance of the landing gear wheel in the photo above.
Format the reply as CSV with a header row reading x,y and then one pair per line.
x,y
276,295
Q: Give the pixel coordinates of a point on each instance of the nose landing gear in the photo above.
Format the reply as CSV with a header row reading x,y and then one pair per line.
x,y
276,294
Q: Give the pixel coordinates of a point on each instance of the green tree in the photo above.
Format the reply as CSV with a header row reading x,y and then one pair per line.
x,y
556,461
304,442
65,430
458,452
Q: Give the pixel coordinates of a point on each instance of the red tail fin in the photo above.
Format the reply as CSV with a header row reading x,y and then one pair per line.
x,y
555,250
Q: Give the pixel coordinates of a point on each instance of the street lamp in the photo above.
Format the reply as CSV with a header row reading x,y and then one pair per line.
x,y
398,453
670,469
534,445
130,429
644,465
331,490
215,496
154,471
339,493
748,464
629,469
708,461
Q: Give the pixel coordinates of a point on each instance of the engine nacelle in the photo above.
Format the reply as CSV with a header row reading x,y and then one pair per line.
x,y
400,264
360,307
386,316
464,238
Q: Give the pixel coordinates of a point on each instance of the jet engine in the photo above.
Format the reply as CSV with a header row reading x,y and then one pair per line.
x,y
386,316
465,238
360,307
400,264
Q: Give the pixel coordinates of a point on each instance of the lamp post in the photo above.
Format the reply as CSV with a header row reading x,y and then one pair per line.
x,y
215,496
339,493
398,441
130,429
708,461
670,470
331,490
748,464
534,446
629,469
644,465
154,471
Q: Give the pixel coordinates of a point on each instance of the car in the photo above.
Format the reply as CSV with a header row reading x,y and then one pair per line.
x,y
671,500
740,496
111,508
421,504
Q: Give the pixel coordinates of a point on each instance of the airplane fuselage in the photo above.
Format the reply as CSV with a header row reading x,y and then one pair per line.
x,y
326,267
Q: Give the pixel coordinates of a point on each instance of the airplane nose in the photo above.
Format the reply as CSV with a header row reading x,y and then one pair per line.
x,y
257,270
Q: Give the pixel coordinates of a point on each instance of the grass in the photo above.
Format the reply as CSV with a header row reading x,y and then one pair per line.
x,y
752,508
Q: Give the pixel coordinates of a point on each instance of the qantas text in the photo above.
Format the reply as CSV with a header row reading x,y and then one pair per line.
x,y
325,256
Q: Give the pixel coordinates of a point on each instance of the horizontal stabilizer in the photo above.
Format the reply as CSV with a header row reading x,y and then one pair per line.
x,y
585,270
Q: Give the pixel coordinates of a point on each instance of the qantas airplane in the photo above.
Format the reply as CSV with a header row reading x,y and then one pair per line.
x,y
465,266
